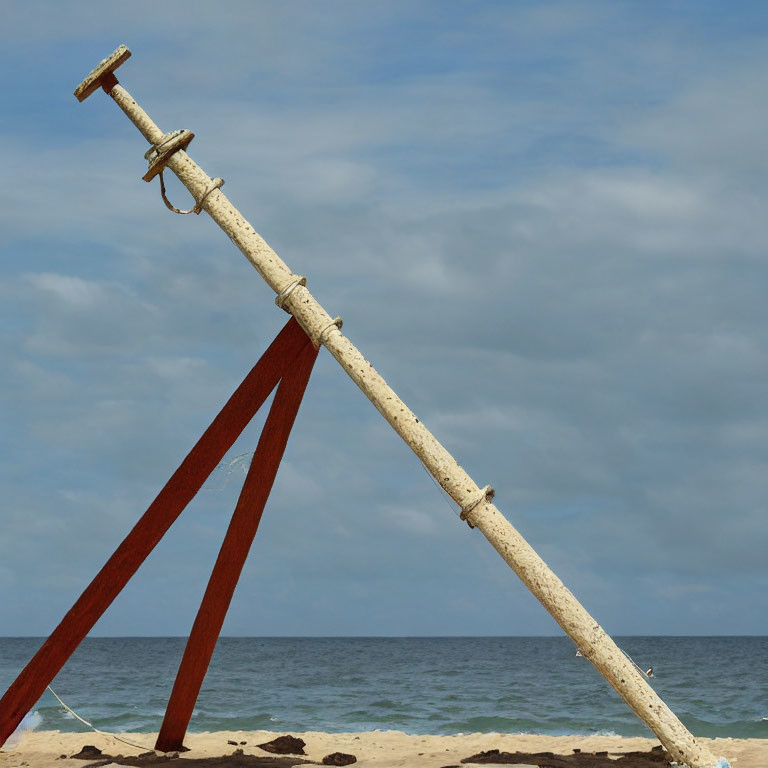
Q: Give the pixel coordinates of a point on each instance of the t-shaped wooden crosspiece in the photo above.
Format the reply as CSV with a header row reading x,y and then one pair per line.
x,y
102,76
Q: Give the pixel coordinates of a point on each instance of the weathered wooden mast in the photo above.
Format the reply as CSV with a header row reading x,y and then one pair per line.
x,y
168,151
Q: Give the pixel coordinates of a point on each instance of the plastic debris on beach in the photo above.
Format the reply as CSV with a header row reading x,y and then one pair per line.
x,y
29,722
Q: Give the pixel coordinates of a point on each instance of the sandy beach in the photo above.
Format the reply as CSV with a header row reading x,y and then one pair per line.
x,y
379,749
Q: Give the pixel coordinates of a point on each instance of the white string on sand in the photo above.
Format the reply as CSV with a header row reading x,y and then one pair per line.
x,y
94,728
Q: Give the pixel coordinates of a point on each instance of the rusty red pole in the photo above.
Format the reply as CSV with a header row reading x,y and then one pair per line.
x,y
177,493
234,550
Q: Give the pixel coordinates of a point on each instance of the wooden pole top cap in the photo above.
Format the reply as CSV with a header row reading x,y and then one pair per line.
x,y
105,67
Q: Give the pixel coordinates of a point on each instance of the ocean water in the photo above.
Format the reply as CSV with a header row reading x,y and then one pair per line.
x,y
718,686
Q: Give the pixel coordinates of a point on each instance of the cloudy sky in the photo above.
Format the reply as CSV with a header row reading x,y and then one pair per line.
x,y
543,223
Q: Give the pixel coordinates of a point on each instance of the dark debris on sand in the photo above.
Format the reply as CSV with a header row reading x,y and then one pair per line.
x,y
236,760
656,758
88,752
339,758
285,745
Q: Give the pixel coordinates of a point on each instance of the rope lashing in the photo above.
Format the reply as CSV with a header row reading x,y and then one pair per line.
x,y
288,289
336,323
486,494
216,183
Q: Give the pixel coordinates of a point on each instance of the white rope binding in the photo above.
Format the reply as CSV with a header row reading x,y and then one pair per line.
x,y
284,293
336,324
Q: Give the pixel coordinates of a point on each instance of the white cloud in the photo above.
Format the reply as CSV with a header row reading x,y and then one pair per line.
x,y
414,522
73,292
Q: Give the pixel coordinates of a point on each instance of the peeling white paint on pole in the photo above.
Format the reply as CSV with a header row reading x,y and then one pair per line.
x,y
594,643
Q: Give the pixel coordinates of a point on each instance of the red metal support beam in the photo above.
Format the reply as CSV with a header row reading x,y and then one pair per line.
x,y
161,514
237,542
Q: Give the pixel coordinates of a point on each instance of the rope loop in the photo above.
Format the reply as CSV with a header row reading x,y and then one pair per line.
x,y
486,494
158,155
284,293
216,183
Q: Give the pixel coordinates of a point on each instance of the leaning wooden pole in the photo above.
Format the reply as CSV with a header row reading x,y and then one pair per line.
x,y
168,151
234,550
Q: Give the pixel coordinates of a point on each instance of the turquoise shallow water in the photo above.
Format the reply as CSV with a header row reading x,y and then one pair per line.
x,y
718,686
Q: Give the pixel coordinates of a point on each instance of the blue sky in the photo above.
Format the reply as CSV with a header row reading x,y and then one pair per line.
x,y
542,222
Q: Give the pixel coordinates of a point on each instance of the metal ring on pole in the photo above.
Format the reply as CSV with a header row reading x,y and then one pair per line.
x,y
216,183
288,289
336,323
486,494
